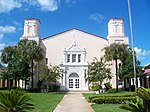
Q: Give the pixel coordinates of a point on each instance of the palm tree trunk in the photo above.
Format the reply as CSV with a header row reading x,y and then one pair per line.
x,y
124,83
116,75
32,64
9,86
25,86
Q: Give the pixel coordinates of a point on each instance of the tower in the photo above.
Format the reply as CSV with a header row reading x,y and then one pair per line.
x,y
116,31
31,29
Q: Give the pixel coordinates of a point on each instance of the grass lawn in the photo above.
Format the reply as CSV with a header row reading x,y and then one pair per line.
x,y
45,102
107,107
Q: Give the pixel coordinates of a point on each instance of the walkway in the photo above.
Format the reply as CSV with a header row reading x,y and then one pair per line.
x,y
73,102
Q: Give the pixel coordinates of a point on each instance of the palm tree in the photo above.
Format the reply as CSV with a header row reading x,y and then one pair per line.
x,y
15,101
115,52
35,54
142,104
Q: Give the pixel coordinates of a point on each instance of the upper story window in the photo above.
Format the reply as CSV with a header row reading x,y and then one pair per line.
x,y
68,58
79,57
46,60
73,58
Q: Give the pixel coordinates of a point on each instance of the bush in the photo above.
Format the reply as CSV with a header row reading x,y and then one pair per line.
x,y
108,86
132,87
91,97
54,88
114,90
142,104
96,87
112,100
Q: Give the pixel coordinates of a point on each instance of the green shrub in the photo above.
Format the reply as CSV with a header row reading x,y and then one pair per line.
x,y
128,95
15,101
114,90
143,101
112,100
54,88
108,86
95,87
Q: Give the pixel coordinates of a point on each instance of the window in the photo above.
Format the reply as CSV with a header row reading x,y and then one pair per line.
x,y
68,58
46,60
120,82
79,57
73,58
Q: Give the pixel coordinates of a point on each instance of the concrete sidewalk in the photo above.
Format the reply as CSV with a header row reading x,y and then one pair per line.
x,y
73,102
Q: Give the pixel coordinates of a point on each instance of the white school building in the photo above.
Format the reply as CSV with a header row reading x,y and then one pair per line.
x,y
73,49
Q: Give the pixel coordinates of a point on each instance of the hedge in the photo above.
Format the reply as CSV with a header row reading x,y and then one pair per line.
x,y
91,97
112,100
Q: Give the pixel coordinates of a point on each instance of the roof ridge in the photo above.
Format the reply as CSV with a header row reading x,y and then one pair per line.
x,y
71,30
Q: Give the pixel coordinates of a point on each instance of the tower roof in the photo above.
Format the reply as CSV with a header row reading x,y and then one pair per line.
x,y
33,19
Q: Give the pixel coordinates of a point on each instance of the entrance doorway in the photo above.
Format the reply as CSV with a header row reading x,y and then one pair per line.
x,y
74,81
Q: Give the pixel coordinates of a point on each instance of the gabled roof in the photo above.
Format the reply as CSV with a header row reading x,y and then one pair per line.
x,y
147,71
72,30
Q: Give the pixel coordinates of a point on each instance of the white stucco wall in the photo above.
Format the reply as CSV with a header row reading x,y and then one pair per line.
x,y
56,44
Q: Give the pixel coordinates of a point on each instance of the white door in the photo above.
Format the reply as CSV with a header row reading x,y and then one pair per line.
x,y
74,82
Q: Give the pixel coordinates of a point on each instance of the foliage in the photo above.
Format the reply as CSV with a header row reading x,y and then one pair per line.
x,y
116,52
143,101
126,68
18,59
112,100
32,51
147,67
108,86
98,71
49,75
121,95
54,88
17,65
15,101
95,87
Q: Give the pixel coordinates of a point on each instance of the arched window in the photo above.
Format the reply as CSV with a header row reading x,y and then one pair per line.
x,y
74,75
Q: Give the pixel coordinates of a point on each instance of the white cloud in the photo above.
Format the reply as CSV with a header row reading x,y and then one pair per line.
x,y
71,1
6,29
48,5
97,17
2,45
44,5
8,5
1,36
141,53
16,23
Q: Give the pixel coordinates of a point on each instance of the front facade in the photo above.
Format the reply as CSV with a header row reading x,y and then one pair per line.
x,y
73,49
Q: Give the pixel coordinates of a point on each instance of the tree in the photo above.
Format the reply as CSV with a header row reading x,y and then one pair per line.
x,y
115,52
49,75
15,101
34,54
142,104
8,53
98,71
17,64
126,68
32,51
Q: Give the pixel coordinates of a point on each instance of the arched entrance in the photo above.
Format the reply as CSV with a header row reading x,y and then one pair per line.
x,y
74,81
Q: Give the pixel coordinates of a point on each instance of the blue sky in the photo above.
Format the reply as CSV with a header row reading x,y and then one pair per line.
x,y
89,15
